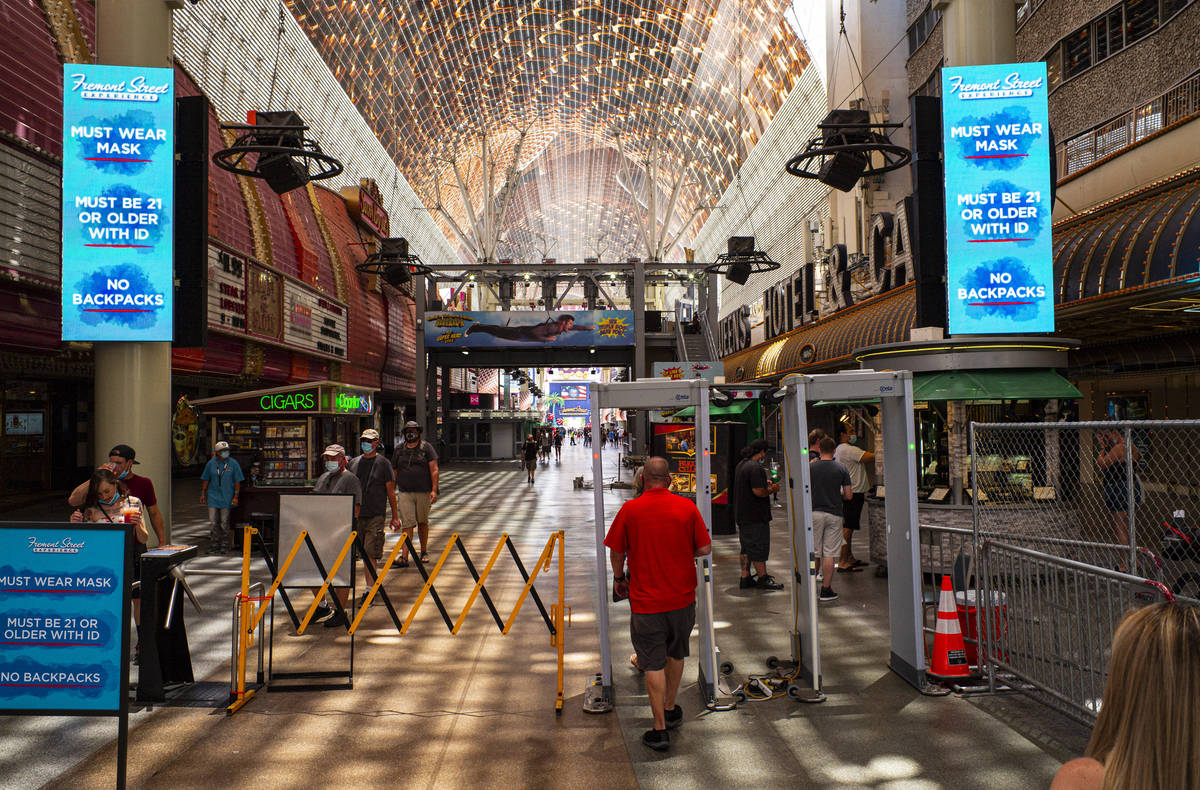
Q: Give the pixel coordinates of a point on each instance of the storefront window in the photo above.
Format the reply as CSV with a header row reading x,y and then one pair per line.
x,y
1077,52
933,449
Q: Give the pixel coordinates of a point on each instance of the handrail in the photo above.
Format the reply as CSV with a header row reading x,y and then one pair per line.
x,y
706,332
680,343
1129,129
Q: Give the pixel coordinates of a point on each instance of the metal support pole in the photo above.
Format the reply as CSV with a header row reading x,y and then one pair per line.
x,y
806,642
1131,493
709,655
976,32
421,416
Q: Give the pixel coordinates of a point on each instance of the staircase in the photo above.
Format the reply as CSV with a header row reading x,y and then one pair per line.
x,y
694,348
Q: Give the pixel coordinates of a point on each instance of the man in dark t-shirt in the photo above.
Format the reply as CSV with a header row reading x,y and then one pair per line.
x,y
752,511
830,487
660,534
415,463
529,454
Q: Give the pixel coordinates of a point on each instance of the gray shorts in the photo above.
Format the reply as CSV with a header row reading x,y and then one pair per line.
x,y
827,534
370,529
662,635
414,507
755,538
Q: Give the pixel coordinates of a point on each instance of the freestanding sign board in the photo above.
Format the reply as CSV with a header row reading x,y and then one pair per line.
x,y
118,202
64,622
1000,265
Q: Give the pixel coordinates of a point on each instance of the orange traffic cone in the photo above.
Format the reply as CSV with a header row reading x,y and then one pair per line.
x,y
949,652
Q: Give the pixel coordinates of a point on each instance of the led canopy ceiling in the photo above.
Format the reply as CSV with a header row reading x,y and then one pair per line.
x,y
539,129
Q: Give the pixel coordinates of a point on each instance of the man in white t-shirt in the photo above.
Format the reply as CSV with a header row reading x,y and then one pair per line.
x,y
855,460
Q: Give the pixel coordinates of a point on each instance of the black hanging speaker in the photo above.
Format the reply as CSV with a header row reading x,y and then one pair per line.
x,y
842,171
191,221
928,217
740,245
739,272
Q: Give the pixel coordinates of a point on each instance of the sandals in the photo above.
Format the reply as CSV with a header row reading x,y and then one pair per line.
x,y
424,557
850,569
401,563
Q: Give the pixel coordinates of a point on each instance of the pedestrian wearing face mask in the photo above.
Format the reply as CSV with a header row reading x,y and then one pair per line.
x,y
121,460
220,484
855,460
416,465
336,479
374,473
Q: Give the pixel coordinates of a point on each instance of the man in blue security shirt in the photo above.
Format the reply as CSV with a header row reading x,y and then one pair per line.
x,y
220,484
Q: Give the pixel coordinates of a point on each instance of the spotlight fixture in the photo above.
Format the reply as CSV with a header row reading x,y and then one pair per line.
x,y
275,144
741,260
846,148
394,263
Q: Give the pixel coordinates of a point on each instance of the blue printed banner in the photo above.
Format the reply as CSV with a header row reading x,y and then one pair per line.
x,y
517,329
1000,263
118,203
62,597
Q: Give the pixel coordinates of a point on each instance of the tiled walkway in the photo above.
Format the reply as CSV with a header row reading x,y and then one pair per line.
x,y
429,710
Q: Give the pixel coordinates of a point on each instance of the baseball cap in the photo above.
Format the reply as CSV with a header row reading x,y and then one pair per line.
x,y
370,433
758,445
123,451
334,450
221,446
412,425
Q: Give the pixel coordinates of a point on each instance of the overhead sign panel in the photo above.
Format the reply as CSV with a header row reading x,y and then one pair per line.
x,y
529,329
676,371
569,399
996,131
118,203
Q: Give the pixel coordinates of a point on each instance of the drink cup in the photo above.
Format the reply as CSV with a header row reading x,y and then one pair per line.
x,y
128,513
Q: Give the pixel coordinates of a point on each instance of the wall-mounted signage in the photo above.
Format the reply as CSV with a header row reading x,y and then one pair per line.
x,y
734,335
64,616
305,400
520,329
995,132
245,297
888,263
569,399
118,193
346,402
678,371
364,203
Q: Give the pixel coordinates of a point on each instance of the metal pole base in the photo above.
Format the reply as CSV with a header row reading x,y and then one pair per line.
x,y
597,698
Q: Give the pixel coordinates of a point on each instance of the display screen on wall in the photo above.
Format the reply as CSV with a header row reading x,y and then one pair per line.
x,y
23,423
569,399
995,133
118,203
516,329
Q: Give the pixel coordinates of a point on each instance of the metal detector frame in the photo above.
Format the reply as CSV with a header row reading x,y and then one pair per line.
x,y
656,394
893,390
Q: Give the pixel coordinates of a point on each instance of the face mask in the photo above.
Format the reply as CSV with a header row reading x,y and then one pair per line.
x,y
853,439
367,448
410,436
224,453
116,495
123,475
332,466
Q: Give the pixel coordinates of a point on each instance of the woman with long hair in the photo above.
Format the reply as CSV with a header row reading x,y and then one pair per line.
x,y
108,501
1147,735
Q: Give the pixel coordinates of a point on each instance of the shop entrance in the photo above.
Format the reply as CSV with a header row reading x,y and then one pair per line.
x,y
893,390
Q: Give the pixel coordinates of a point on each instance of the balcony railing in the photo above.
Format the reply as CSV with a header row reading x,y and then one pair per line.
x,y
1179,104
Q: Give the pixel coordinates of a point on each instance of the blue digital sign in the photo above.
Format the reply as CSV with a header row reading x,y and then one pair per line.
x,y
62,617
1000,264
118,203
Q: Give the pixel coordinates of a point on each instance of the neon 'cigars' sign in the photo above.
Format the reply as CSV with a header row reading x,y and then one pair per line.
x,y
291,401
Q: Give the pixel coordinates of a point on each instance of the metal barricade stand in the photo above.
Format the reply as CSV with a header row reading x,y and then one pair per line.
x,y
248,619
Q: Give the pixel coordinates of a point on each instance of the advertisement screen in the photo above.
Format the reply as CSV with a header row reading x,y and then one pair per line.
x,y
118,202
62,610
577,328
569,399
707,370
996,133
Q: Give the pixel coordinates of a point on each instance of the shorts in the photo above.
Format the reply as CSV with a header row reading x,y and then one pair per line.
x,y
827,534
1116,495
852,511
414,507
755,538
370,529
530,464
662,635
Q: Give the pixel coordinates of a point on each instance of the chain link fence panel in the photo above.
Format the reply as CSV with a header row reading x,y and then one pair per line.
x,y
1123,495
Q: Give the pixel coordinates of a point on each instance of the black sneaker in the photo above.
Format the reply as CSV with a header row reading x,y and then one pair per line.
x,y
768,583
337,621
747,582
827,594
674,717
322,613
658,740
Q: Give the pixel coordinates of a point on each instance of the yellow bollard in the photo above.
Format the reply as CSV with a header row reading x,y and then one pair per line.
x,y
245,618
559,627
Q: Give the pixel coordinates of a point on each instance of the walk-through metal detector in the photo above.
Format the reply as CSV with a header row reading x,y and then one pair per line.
x,y
654,394
893,389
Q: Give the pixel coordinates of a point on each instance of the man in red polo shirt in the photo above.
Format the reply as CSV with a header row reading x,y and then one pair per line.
x,y
660,534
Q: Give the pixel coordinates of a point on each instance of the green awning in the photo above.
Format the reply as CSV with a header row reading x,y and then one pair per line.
x,y
736,408
992,385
